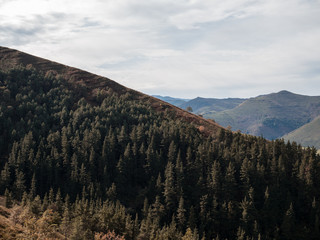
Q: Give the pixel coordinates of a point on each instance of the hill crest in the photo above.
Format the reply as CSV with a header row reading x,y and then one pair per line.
x,y
91,83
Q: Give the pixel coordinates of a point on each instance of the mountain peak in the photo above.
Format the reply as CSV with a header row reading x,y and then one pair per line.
x,y
285,92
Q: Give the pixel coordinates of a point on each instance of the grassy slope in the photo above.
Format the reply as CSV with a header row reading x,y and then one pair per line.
x,y
307,135
271,115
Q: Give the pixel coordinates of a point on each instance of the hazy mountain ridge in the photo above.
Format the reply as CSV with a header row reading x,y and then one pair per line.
x,y
269,115
174,101
202,105
206,105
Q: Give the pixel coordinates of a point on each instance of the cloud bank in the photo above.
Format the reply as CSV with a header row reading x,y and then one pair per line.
x,y
185,48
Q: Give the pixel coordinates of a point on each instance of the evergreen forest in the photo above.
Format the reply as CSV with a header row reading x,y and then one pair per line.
x,y
113,167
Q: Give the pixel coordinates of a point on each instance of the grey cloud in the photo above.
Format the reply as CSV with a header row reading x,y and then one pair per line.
x,y
163,47
43,28
88,22
12,35
124,64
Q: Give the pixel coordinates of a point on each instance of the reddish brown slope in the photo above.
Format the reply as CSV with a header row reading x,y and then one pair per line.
x,y
18,222
91,83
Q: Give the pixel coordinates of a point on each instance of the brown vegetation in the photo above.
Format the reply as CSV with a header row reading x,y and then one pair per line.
x,y
19,222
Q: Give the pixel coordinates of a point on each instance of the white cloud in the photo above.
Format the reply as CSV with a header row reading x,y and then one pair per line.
x,y
181,48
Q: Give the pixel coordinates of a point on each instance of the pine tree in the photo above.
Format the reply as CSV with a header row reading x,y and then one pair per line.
x,y
172,152
192,220
33,187
246,206
112,192
145,208
288,223
35,205
8,198
19,185
181,213
230,183
169,187
51,196
189,235
157,210
245,175
179,171
159,185
216,179
5,177
59,202
65,146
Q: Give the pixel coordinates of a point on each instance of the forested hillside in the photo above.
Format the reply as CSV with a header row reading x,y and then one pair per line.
x,y
86,162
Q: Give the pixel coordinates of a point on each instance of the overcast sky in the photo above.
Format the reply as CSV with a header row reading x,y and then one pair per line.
x,y
180,48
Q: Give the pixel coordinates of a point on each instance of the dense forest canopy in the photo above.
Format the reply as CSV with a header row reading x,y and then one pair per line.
x,y
116,165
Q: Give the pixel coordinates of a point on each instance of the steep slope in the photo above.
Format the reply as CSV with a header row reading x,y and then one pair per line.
x,y
307,135
205,105
90,85
271,115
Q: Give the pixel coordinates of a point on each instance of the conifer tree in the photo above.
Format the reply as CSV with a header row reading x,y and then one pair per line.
x,y
181,218
192,220
230,183
33,187
288,223
8,198
169,189
19,185
216,180
5,177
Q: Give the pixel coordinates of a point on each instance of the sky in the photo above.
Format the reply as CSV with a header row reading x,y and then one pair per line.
x,y
181,48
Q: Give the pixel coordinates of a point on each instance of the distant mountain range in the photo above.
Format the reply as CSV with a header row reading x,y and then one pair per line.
x,y
205,105
174,101
272,115
201,105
